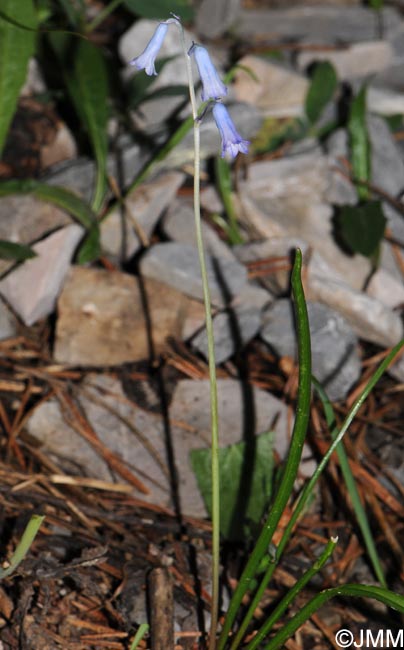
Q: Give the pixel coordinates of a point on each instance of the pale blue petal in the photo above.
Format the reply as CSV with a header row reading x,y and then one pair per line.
x,y
212,86
145,61
232,142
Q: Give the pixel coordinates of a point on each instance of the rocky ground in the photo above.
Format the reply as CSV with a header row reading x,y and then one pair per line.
x,y
103,377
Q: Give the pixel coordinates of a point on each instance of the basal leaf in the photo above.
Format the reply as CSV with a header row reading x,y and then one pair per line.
x,y
245,484
161,9
321,90
11,251
87,83
359,142
59,196
362,226
16,47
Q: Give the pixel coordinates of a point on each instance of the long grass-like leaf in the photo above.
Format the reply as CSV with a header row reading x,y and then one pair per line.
x,y
360,591
359,142
291,595
143,629
88,86
290,469
59,196
24,545
224,185
351,486
16,47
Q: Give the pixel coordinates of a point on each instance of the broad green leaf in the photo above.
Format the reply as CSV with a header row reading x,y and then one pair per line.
x,y
59,196
362,226
90,249
245,483
161,9
87,84
359,142
16,47
11,251
322,87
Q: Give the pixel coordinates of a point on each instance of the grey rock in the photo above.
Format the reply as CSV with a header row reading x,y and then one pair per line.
x,y
273,250
317,24
179,226
396,369
130,158
105,405
25,219
334,346
387,161
289,197
235,327
178,266
122,235
137,438
275,89
385,101
356,61
191,406
8,322
386,288
214,17
32,288
79,176
108,318
368,317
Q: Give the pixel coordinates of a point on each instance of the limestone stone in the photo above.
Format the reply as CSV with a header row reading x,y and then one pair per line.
x,y
33,287
177,265
334,346
122,235
102,317
276,90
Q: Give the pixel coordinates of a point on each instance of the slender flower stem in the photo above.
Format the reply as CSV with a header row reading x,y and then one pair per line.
x,y
211,360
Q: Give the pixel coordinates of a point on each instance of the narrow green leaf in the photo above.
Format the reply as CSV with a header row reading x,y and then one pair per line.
x,y
90,249
224,185
361,591
359,142
59,196
24,545
87,84
362,226
16,47
350,483
321,90
143,629
12,251
245,484
161,9
291,595
289,472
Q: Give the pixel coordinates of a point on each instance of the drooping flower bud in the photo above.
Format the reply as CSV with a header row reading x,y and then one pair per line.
x,y
212,86
232,142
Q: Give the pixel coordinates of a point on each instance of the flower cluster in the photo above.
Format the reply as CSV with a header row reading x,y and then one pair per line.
x,y
213,88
